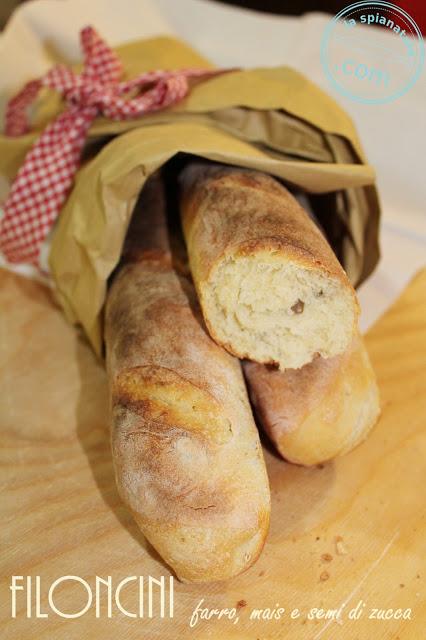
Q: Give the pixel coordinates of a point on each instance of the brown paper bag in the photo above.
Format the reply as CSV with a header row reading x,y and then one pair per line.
x,y
273,120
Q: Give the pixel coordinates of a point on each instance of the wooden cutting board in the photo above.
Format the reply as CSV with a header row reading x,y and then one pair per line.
x,y
349,531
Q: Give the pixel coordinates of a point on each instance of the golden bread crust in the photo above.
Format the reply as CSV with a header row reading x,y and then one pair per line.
x,y
186,451
320,411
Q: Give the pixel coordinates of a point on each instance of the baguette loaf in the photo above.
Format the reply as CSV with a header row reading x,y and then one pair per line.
x,y
186,451
270,287
320,411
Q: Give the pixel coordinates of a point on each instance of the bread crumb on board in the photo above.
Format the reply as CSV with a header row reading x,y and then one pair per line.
x,y
327,557
340,547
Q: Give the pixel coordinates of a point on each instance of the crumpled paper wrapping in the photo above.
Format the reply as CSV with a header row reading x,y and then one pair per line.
x,y
271,119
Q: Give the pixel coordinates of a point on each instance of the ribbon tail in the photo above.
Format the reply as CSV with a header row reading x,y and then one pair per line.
x,y
42,185
100,61
16,119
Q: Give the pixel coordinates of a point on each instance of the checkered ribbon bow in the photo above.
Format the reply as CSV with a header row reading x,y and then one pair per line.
x,y
46,177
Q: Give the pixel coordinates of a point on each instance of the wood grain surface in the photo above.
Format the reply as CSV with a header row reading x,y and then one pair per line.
x,y
351,530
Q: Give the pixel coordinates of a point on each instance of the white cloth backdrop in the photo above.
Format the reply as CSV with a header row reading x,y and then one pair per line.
x,y
393,135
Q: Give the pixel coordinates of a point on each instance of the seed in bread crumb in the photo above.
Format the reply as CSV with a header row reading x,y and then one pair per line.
x,y
272,366
327,557
340,547
298,306
241,604
324,576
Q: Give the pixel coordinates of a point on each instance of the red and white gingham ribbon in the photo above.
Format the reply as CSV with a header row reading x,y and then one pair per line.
x,y
45,179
